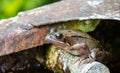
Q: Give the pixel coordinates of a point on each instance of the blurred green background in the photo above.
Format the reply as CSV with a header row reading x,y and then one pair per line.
x,y
10,8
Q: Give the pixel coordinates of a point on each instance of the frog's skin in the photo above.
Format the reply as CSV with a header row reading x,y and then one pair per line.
x,y
75,42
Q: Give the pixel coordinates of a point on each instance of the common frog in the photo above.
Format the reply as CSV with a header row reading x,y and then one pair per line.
x,y
77,43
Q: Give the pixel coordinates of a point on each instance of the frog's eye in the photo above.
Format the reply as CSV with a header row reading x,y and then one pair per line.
x,y
59,35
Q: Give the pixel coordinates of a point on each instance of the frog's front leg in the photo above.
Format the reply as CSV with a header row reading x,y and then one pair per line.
x,y
80,49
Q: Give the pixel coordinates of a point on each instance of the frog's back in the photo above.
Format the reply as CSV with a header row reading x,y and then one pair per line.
x,y
73,37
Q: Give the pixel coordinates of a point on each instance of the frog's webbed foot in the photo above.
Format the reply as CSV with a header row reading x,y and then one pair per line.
x,y
85,61
93,54
98,55
80,61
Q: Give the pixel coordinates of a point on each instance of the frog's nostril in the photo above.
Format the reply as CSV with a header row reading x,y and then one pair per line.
x,y
59,35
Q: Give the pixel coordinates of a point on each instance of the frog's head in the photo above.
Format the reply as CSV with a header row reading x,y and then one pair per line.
x,y
57,39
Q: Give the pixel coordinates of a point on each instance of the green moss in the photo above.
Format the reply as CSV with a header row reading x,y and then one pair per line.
x,y
85,25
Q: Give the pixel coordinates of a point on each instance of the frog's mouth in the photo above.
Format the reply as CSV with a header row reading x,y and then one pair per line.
x,y
56,40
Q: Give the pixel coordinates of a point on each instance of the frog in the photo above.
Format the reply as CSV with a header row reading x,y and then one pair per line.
x,y
76,43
